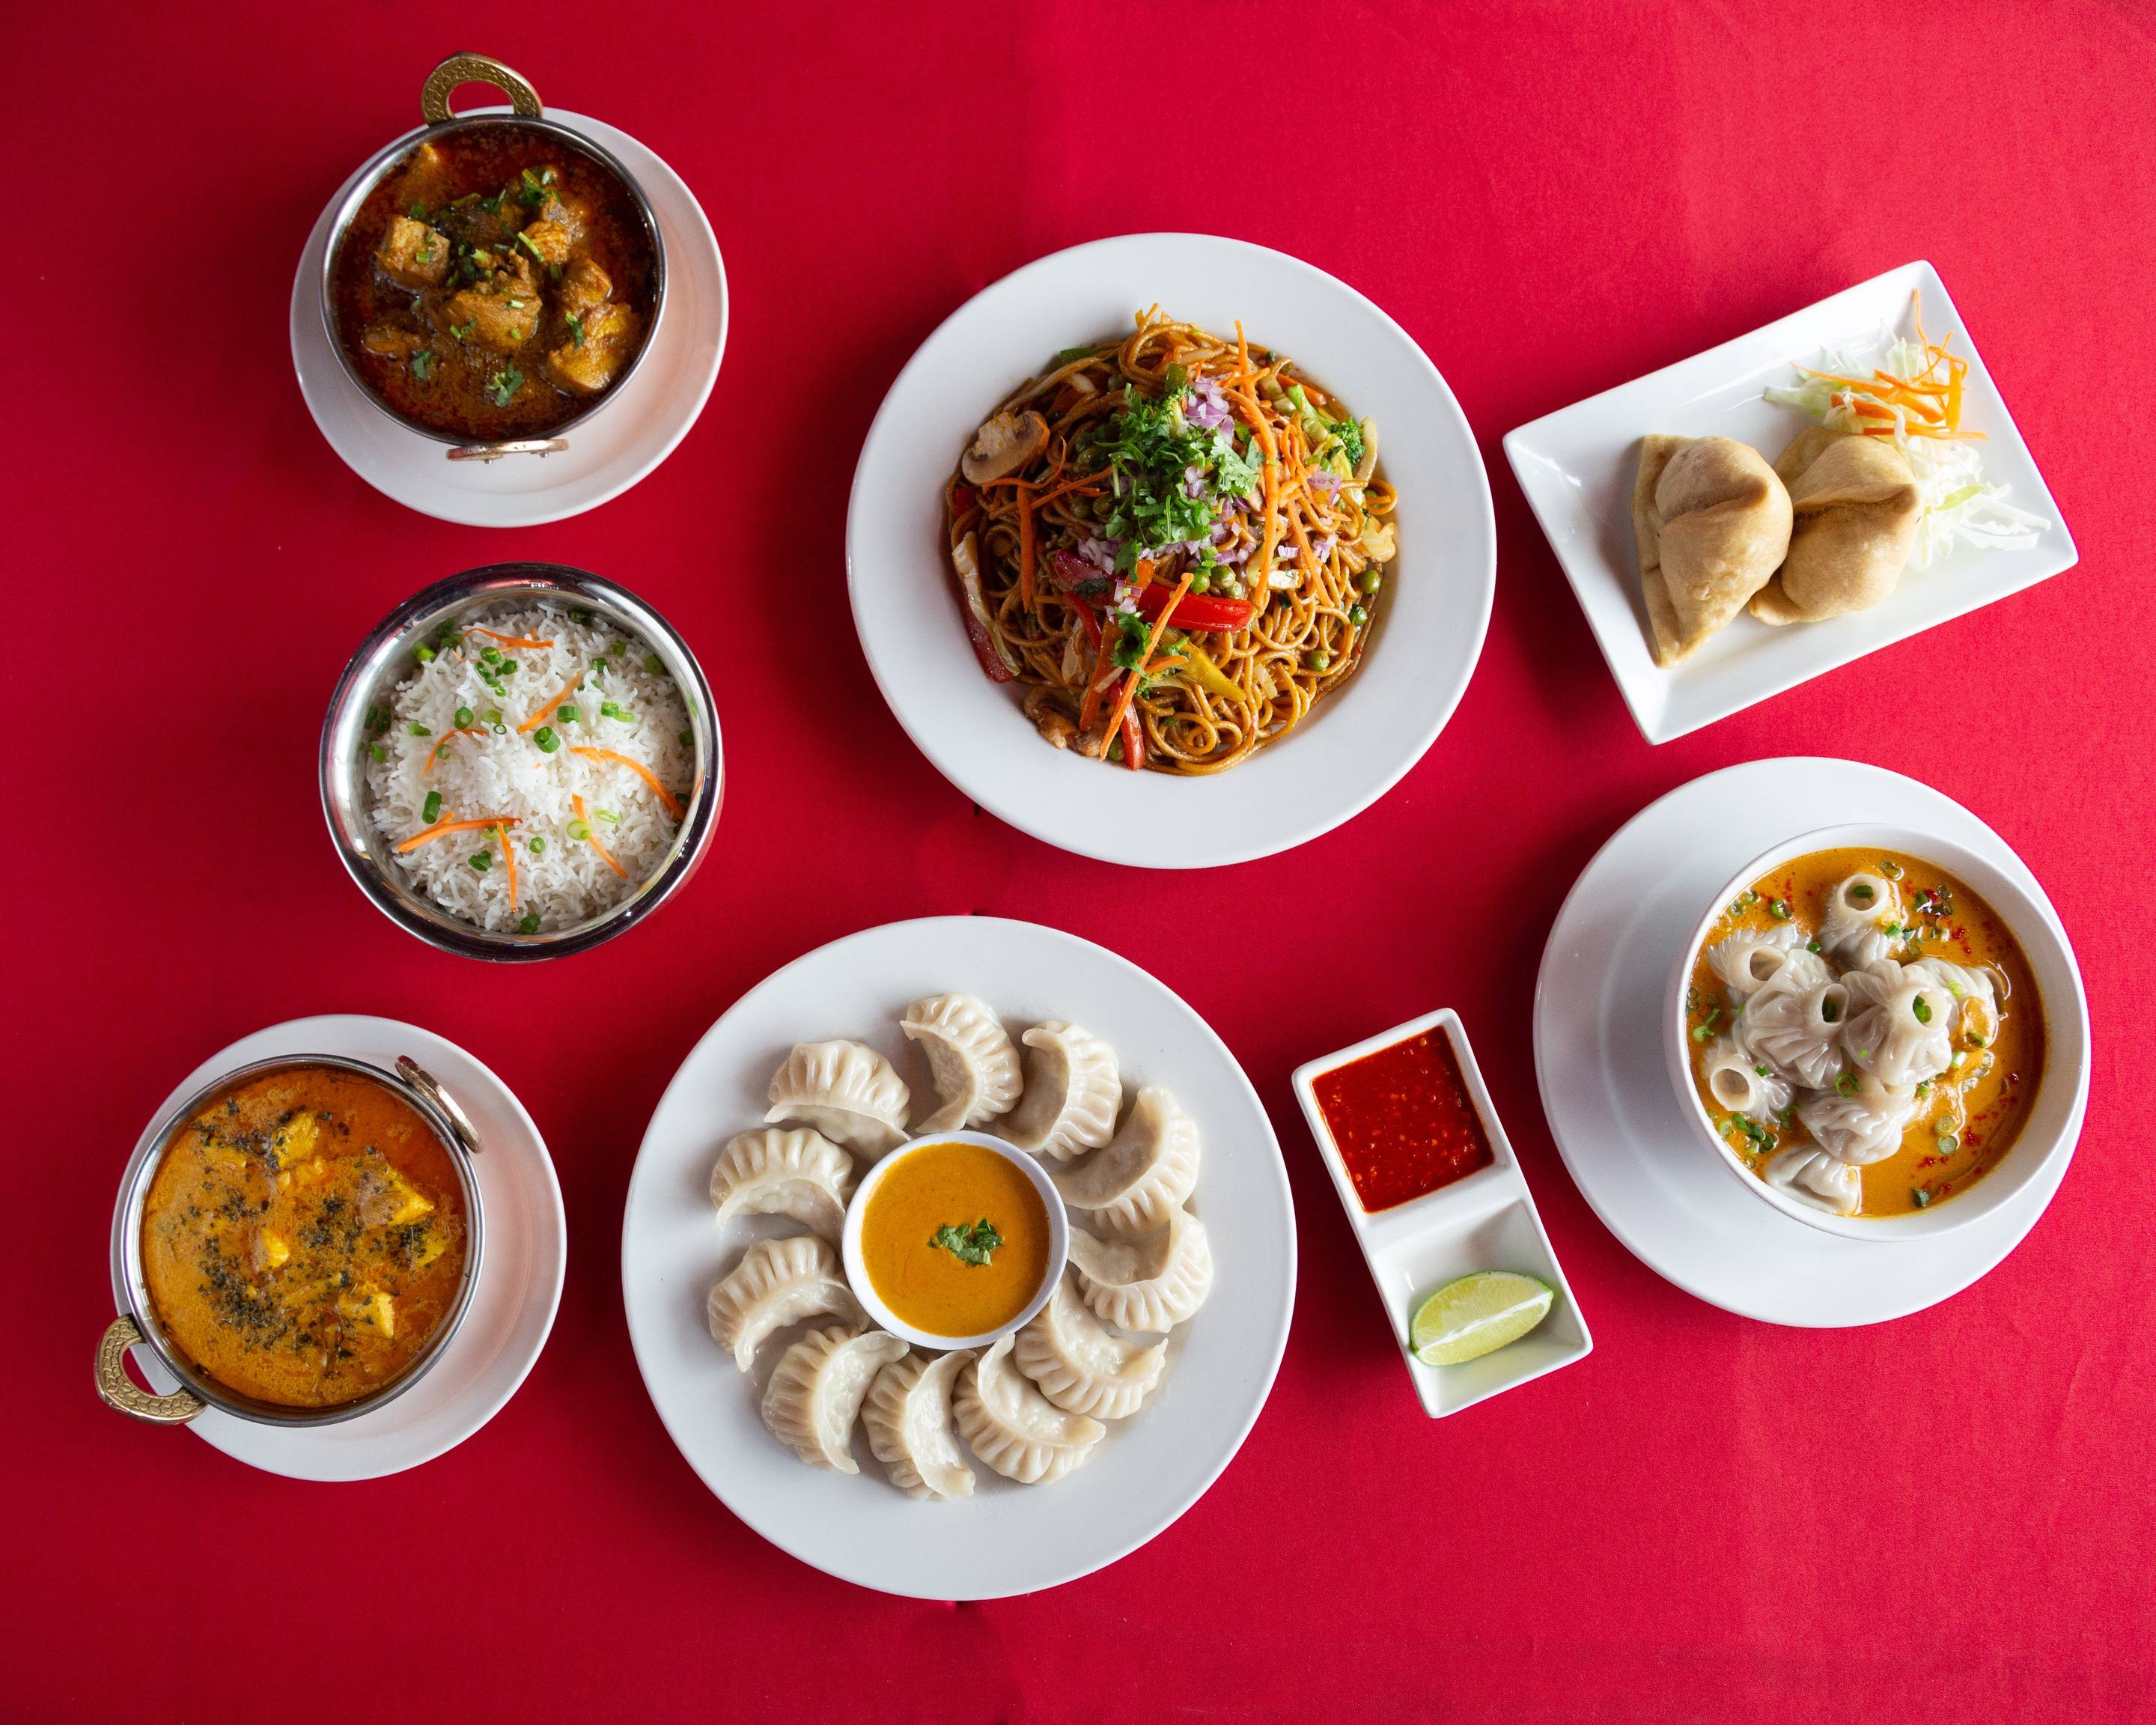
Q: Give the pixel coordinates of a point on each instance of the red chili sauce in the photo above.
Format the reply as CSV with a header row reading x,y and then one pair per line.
x,y
1404,1120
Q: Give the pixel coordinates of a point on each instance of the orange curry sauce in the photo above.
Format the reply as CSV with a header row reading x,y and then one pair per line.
x,y
1404,1120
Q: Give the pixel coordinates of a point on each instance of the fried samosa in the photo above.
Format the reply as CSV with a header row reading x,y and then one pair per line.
x,y
1712,520
1856,513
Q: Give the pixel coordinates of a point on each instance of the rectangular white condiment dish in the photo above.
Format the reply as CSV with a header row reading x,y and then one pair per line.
x,y
1485,1221
1577,467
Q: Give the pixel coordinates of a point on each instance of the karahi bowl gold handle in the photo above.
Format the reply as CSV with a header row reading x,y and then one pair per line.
x,y
474,69
116,1389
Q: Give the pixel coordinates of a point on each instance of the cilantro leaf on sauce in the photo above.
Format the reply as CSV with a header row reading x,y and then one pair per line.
x,y
968,1246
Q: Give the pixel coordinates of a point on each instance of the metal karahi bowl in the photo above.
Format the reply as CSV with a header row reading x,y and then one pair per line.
x,y
390,654
528,116
137,1325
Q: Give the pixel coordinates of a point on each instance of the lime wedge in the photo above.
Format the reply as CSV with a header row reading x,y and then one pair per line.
x,y
1477,1315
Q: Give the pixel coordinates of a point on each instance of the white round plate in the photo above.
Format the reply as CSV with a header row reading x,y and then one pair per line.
x,y
1005,1539
1357,745
512,1312
1599,1010
609,452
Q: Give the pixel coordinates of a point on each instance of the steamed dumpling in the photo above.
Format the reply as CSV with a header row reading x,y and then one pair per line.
x,y
778,1282
970,1057
816,1391
1796,1032
799,1173
1859,912
1743,1083
1148,1169
1751,958
1712,522
1811,1176
911,1427
1859,1120
1080,1365
846,1091
1150,1284
1901,1024
1073,1090
1015,1429
1856,511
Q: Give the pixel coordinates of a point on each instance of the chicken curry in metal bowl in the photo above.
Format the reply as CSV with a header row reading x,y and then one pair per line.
x,y
496,280
304,1237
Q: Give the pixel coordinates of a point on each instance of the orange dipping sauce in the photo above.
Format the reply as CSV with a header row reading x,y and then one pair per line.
x,y
1404,1120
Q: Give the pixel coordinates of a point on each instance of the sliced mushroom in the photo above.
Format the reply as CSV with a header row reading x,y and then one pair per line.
x,y
1052,723
1369,464
1003,445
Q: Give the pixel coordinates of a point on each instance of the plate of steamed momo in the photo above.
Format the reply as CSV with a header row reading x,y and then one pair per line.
x,y
959,1258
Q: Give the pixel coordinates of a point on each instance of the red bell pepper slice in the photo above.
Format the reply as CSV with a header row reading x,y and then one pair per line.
x,y
1198,613
1134,748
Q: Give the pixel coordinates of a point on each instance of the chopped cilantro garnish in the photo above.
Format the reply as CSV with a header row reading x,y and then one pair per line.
x,y
422,364
503,385
968,1246
576,328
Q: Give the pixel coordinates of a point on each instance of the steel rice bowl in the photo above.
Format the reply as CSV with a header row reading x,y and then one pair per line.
x,y
389,656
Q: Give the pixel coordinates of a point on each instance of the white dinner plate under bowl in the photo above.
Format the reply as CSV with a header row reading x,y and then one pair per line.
x,y
1359,743
1577,468
1005,1539
1601,1007
512,1312
609,452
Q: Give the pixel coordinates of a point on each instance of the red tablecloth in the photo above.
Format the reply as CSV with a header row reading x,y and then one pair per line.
x,y
1939,1518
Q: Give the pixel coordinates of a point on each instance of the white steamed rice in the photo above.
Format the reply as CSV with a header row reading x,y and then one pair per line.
x,y
505,772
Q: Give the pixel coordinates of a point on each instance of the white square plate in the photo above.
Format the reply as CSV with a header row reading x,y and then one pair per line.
x,y
1577,468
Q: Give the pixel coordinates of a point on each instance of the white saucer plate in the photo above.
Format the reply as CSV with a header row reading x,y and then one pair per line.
x,y
511,1311
1601,1006
1003,1539
1577,468
609,452
1359,743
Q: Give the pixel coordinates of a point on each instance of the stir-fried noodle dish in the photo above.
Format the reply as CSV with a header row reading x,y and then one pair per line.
x,y
1176,542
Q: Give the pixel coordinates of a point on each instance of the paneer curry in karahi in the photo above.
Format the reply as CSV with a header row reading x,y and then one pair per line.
x,y
494,283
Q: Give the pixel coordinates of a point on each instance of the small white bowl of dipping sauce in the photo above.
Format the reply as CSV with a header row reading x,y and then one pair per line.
x,y
955,1240
1984,921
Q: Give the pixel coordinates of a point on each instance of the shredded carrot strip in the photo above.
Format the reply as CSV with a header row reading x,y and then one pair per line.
x,y
443,828
1025,547
1141,576
435,753
509,860
672,802
1074,488
1088,708
591,836
540,717
507,640
1144,659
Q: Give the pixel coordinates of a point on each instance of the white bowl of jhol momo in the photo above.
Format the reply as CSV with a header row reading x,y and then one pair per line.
x,y
1927,985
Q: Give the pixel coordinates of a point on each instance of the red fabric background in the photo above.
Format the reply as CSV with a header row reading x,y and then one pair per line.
x,y
1710,1519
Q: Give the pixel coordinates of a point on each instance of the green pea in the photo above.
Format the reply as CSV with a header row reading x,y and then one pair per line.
x,y
508,666
1201,583
1319,660
1370,581
491,655
1358,616
432,811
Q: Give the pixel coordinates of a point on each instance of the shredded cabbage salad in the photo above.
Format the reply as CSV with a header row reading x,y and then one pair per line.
x,y
1961,506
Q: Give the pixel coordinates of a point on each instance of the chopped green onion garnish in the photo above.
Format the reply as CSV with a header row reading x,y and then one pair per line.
x,y
1780,910
609,710
419,730
609,816
538,847
1846,1084
578,830
652,665
569,712
431,810
1920,1197
480,860
463,717
1923,1008
1948,1143
530,925
426,655
547,739
687,739
491,655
